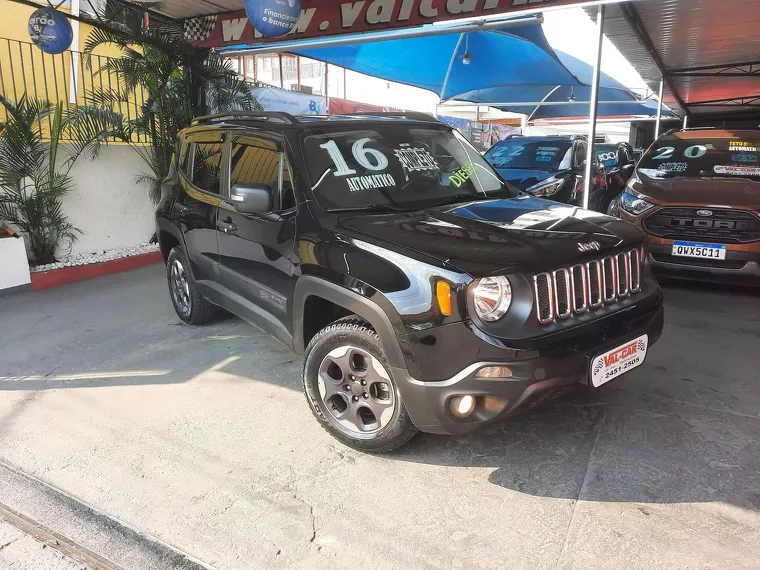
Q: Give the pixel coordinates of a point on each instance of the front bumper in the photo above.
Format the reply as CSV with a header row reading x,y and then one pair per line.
x,y
532,380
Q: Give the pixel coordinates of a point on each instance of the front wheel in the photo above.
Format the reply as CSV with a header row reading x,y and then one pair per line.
x,y
351,392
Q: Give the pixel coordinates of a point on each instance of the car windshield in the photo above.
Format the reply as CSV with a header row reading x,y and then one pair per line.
x,y
396,166
528,154
694,158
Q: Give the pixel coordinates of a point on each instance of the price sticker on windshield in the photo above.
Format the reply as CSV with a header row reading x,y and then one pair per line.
x,y
737,170
743,146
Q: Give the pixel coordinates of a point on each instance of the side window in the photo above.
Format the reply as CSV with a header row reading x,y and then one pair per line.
x,y
184,161
580,153
207,157
261,161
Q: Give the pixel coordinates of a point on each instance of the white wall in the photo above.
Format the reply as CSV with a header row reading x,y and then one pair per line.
x,y
110,208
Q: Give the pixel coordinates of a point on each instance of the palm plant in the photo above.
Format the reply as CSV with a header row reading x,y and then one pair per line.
x,y
179,82
35,170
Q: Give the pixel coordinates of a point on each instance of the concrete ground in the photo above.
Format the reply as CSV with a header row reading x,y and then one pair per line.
x,y
19,551
201,437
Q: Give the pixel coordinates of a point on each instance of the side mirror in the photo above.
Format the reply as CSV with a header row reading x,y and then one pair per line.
x,y
252,198
628,170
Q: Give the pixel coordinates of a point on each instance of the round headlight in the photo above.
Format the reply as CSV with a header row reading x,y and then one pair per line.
x,y
492,297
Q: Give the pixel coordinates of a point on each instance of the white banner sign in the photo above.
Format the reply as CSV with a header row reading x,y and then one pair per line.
x,y
293,102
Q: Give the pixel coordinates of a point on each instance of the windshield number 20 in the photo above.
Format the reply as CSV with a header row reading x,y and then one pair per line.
x,y
666,152
362,156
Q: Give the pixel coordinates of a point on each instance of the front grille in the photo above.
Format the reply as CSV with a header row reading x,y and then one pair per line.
x,y
722,226
580,288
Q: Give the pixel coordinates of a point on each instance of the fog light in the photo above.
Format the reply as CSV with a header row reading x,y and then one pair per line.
x,y
494,372
462,406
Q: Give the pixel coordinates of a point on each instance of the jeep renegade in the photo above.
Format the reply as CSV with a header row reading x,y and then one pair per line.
x,y
424,292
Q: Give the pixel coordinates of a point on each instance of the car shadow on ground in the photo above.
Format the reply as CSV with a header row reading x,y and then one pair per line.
x,y
612,446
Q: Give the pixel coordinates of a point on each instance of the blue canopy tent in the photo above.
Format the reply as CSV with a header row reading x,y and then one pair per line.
x,y
489,67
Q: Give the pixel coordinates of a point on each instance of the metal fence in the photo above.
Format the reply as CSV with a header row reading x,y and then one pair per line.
x,y
69,78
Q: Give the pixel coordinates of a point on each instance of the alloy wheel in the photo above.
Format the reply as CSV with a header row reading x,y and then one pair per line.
x,y
180,287
356,390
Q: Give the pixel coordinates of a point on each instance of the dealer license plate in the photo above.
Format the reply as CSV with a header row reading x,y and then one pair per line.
x,y
618,361
702,250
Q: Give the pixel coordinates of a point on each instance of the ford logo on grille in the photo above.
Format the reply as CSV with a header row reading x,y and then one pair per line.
x,y
704,213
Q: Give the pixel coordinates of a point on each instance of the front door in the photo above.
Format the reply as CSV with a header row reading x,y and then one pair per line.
x,y
195,208
256,252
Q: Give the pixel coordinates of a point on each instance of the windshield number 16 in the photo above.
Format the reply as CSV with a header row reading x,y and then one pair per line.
x,y
362,156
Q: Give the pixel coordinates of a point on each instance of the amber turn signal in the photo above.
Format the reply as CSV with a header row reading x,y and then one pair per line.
x,y
443,293
494,372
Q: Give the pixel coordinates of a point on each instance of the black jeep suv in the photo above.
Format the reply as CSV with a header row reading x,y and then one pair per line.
x,y
424,291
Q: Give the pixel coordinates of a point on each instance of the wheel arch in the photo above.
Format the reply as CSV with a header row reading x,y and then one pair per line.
x,y
308,286
169,236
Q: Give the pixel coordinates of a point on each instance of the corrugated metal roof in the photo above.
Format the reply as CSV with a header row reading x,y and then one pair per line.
x,y
687,36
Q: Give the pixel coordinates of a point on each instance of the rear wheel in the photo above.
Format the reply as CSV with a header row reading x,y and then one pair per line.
x,y
350,390
189,305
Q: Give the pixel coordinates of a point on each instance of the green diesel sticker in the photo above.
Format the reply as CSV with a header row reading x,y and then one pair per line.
x,y
459,177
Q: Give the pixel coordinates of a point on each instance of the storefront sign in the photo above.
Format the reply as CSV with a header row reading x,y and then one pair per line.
x,y
50,30
335,17
273,18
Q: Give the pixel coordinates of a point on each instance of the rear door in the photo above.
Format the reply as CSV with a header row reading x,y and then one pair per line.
x,y
195,207
256,252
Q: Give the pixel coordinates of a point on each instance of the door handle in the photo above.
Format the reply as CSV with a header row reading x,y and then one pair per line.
x,y
227,227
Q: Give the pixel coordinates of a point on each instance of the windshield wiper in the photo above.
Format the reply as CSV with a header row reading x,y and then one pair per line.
x,y
376,208
457,198
711,174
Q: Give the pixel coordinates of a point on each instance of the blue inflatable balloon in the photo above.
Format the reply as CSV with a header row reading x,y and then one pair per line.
x,y
50,30
273,18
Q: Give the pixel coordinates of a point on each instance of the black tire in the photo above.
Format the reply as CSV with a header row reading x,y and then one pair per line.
x,y
355,333
197,310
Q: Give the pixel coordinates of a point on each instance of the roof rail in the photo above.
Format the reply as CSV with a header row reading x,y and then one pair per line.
x,y
264,116
414,115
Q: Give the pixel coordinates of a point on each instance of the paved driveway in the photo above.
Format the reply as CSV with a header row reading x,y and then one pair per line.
x,y
202,437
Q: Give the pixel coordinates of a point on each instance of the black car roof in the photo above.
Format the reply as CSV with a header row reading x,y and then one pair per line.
x,y
278,119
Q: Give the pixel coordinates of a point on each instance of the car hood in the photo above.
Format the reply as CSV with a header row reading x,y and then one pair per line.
x,y
499,236
708,192
523,178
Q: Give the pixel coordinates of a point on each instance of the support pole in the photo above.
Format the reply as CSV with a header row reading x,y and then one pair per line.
x,y
594,104
74,72
282,77
327,88
659,110
298,71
